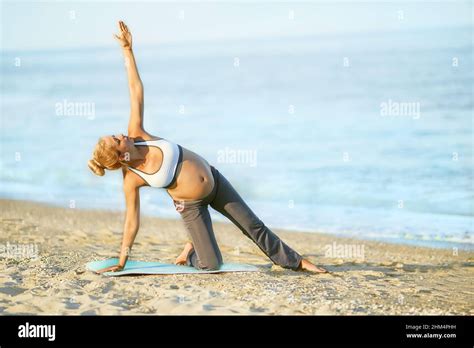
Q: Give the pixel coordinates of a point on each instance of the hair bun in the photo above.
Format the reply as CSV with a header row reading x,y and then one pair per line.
x,y
96,167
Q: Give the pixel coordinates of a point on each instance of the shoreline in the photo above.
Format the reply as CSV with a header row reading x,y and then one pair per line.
x,y
368,277
432,244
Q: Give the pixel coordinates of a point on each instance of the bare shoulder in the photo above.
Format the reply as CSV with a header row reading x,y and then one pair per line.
x,y
141,134
131,181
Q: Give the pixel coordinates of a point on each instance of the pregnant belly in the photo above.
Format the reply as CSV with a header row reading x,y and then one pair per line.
x,y
194,181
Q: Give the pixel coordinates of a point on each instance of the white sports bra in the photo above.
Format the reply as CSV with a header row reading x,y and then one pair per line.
x,y
172,156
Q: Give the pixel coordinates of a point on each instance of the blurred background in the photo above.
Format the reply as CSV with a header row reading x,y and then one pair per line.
x,y
340,117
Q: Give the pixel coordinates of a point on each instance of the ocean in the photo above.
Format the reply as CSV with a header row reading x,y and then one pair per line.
x,y
367,135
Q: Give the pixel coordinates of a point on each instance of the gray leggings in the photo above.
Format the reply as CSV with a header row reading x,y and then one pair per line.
x,y
225,199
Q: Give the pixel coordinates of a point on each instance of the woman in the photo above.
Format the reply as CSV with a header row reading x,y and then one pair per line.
x,y
193,184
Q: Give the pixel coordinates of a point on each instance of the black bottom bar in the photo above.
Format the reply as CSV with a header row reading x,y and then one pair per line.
x,y
428,331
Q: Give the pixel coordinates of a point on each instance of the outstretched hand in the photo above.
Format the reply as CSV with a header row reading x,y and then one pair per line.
x,y
115,268
125,37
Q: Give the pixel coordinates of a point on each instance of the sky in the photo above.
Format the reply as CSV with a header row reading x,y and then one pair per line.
x,y
74,24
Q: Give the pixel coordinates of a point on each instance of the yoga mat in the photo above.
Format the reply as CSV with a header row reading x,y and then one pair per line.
x,y
143,267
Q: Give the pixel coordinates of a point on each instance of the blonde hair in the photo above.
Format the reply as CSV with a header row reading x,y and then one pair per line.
x,y
104,157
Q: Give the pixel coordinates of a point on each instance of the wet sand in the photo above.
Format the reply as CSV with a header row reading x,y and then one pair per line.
x,y
368,278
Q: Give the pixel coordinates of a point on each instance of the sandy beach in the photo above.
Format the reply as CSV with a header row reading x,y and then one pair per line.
x,y
44,249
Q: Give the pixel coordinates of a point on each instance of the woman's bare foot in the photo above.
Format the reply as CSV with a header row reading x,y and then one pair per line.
x,y
181,259
305,265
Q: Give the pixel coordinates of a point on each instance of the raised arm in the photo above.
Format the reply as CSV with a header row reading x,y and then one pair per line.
x,y
135,85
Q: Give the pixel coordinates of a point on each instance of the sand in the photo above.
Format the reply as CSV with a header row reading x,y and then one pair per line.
x,y
46,274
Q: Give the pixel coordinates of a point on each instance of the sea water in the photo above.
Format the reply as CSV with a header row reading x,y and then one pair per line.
x,y
367,135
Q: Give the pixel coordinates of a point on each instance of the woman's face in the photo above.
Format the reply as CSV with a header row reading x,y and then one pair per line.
x,y
122,143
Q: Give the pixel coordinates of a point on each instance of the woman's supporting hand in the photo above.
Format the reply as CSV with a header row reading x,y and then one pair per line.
x,y
125,36
115,268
